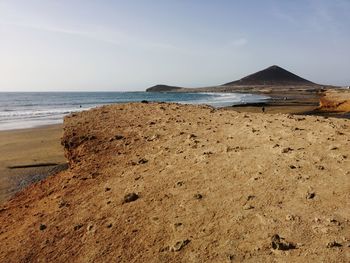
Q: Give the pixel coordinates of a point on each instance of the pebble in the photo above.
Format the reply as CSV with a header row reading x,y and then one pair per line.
x,y
279,243
310,195
248,207
191,136
143,161
198,196
77,227
287,150
131,197
333,244
290,218
179,245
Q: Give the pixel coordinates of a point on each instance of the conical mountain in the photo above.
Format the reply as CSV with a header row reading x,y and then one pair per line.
x,y
273,75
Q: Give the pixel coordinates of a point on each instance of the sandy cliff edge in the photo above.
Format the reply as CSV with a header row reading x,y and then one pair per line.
x,y
212,186
336,100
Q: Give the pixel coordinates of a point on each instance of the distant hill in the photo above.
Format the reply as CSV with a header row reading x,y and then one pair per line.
x,y
163,88
273,75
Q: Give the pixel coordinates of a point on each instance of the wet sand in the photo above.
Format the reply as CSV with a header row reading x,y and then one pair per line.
x,y
39,148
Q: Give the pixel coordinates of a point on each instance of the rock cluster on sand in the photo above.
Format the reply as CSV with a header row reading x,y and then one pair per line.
x,y
177,183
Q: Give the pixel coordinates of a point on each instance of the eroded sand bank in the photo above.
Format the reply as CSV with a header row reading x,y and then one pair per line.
x,y
209,186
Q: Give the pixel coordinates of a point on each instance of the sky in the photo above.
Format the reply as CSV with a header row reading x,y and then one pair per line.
x,y
91,45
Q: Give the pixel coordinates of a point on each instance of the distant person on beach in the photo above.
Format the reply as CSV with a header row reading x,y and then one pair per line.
x,y
263,109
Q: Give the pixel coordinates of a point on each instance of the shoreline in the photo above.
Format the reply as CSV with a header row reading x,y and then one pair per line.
x,y
279,99
21,165
32,148
46,137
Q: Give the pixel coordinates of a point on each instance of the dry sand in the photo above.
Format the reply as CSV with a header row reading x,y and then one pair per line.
x,y
212,186
27,147
336,100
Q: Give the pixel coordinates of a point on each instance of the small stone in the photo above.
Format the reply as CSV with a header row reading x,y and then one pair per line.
x,y
279,243
109,225
180,183
42,227
248,207
77,227
333,221
290,218
118,137
287,150
153,137
250,197
292,167
198,196
143,161
179,245
192,136
62,203
310,195
231,257
107,189
333,244
130,198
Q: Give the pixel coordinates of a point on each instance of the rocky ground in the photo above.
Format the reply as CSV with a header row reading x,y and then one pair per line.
x,y
153,182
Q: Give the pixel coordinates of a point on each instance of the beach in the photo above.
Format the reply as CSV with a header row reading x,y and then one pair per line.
x,y
41,145
28,147
159,182
174,131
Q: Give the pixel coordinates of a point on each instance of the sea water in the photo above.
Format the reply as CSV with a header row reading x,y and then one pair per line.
x,y
29,109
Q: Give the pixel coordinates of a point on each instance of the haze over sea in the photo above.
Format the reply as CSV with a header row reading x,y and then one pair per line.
x,y
30,109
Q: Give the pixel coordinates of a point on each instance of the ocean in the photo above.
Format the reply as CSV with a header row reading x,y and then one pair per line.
x,y
20,110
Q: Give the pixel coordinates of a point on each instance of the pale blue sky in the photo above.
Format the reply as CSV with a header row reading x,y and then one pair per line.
x,y
72,45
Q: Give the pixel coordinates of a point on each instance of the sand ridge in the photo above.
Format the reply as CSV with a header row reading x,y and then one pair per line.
x,y
211,185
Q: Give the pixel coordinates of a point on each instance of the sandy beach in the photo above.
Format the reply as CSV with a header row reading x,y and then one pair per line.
x,y
28,147
175,131
157,182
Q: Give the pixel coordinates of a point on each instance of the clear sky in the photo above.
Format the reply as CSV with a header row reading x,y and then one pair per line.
x,y
72,45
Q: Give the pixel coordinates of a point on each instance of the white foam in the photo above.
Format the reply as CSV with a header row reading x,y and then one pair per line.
x,y
227,99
